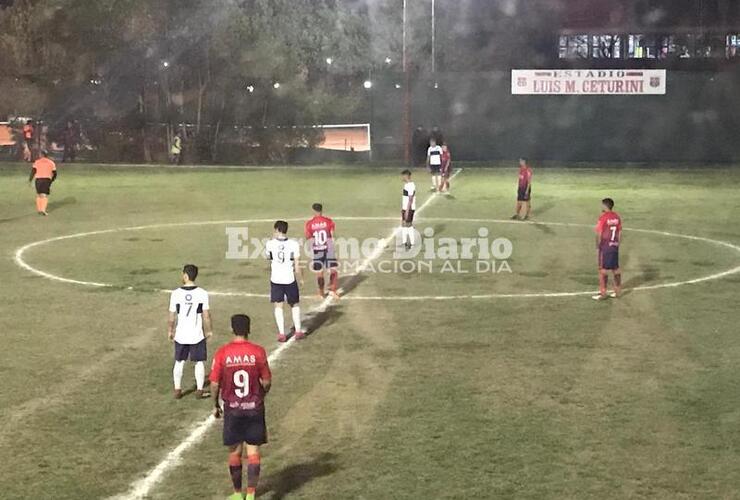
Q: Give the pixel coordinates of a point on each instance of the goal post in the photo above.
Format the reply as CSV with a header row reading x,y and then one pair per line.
x,y
354,137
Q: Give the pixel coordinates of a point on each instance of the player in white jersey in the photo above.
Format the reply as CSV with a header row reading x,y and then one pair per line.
x,y
434,162
408,207
189,325
285,272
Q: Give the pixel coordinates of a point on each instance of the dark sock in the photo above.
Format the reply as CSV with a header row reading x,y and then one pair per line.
x,y
322,282
333,278
253,473
235,469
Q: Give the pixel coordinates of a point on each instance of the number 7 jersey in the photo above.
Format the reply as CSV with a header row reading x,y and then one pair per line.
x,y
188,303
238,368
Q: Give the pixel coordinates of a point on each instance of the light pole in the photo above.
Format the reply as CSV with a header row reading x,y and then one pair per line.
x,y
434,38
368,84
406,120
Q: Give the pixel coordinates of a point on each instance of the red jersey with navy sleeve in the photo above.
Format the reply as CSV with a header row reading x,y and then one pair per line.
x,y
321,230
238,368
525,177
609,227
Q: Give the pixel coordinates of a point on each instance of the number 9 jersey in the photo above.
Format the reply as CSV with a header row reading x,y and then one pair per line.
x,y
238,368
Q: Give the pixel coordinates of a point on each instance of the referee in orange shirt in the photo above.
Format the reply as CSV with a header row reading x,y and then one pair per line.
x,y
44,171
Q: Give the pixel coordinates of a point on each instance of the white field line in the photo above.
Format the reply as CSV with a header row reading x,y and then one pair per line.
x,y
20,261
141,488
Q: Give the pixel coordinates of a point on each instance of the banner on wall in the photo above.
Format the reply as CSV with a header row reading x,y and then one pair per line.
x,y
588,82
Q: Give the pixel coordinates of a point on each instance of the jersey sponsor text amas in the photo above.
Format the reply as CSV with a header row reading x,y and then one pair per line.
x,y
321,230
609,228
238,368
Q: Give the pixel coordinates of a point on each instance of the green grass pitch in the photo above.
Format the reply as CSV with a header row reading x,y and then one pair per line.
x,y
540,397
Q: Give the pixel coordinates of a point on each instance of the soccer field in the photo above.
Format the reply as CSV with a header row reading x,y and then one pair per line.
x,y
510,384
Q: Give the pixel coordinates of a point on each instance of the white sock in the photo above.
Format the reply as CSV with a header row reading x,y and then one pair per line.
x,y
296,310
280,320
200,375
412,236
177,374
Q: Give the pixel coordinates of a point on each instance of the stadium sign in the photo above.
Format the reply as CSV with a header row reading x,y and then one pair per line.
x,y
588,82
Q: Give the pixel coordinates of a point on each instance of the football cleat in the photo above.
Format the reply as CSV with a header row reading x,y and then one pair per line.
x,y
282,338
614,295
299,335
600,297
178,393
514,217
202,394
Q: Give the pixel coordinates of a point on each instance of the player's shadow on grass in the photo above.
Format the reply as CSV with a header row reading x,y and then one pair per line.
x,y
543,227
55,205
315,320
52,206
17,217
293,477
648,274
538,209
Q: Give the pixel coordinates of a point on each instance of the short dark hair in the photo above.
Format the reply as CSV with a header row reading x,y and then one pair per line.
x,y
44,153
608,202
406,172
191,270
524,159
240,324
281,226
318,207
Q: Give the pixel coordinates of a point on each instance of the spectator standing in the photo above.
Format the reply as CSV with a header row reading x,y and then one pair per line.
x,y
419,145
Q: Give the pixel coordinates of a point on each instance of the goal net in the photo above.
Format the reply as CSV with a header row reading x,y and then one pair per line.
x,y
350,137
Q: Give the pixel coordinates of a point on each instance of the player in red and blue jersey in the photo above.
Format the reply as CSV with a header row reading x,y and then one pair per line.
x,y
241,376
608,238
445,171
320,230
524,190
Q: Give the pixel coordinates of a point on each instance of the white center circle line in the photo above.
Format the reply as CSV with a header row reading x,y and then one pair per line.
x,y
19,259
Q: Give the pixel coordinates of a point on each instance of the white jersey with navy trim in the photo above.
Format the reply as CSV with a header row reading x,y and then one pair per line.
x,y
282,254
409,189
434,153
188,303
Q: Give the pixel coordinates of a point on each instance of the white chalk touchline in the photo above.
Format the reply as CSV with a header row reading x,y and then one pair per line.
x,y
141,488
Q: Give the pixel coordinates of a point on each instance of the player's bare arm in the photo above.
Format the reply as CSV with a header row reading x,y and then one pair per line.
x,y
297,268
207,324
266,384
33,174
217,411
171,319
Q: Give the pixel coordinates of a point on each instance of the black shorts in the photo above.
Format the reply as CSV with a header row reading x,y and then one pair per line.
x,y
609,259
285,293
435,169
193,352
323,260
247,428
524,194
410,217
43,186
